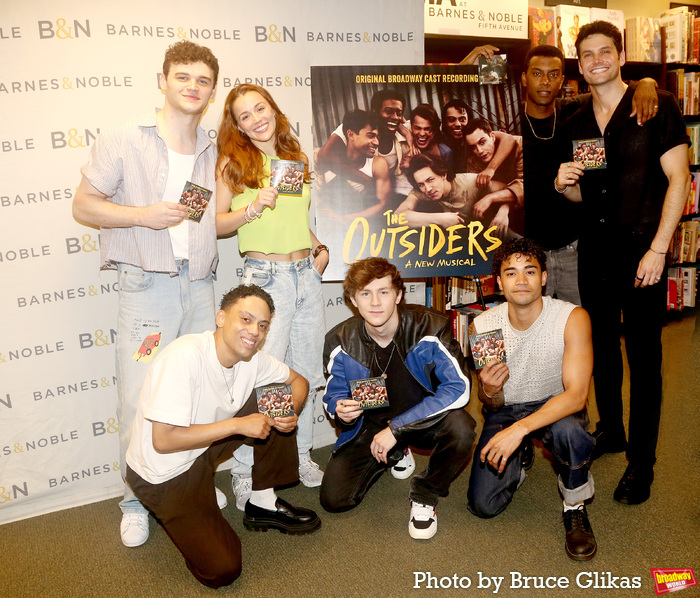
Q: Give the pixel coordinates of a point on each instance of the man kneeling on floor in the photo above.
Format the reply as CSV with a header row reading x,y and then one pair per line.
x,y
195,409
407,355
540,390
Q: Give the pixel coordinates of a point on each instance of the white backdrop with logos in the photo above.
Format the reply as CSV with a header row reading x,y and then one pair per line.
x,y
67,71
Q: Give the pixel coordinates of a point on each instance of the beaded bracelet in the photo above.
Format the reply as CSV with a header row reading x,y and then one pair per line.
x,y
251,208
251,205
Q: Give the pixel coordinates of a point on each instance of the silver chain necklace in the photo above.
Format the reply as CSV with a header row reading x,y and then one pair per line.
x,y
554,127
388,361
230,394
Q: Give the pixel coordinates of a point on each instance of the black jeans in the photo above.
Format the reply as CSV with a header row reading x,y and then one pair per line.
x,y
352,469
607,293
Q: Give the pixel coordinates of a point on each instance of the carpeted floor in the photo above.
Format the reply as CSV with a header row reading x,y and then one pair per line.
x,y
368,552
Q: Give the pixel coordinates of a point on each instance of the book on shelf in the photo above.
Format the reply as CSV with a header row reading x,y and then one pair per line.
x,y
541,26
568,20
676,36
616,17
693,130
674,290
643,39
688,277
684,243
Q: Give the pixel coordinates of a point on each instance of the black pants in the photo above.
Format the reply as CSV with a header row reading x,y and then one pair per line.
x,y
607,293
352,469
186,506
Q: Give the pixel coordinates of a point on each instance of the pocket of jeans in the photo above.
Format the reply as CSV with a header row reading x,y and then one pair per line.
x,y
319,276
256,277
134,280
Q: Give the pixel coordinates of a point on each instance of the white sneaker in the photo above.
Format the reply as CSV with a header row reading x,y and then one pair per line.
x,y
221,499
242,487
404,468
310,473
134,529
423,522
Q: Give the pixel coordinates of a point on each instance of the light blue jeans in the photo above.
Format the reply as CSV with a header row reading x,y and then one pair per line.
x,y
562,273
151,303
296,335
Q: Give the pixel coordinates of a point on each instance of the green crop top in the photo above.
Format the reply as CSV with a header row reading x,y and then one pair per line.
x,y
282,230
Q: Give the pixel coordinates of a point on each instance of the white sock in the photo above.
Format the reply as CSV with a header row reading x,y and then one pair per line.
x,y
575,507
265,499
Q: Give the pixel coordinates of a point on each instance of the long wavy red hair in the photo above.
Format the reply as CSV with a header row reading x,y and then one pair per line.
x,y
240,163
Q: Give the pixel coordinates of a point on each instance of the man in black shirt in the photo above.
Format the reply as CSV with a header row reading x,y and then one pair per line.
x,y
413,352
550,219
631,209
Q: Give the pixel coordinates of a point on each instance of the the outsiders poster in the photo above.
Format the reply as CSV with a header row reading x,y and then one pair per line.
x,y
421,165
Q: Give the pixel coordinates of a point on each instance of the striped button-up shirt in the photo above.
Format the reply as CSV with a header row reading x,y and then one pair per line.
x,y
130,166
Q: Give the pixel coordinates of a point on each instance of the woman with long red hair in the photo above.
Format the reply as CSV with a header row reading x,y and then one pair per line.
x,y
282,255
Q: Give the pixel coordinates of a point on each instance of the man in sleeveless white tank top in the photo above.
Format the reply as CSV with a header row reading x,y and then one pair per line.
x,y
540,390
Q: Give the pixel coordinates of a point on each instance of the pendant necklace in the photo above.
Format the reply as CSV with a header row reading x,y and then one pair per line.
x,y
554,127
383,374
230,394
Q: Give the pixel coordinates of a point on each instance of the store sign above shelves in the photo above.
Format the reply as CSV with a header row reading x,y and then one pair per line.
x,y
478,18
585,3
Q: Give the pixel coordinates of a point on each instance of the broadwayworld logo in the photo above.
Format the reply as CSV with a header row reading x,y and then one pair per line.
x,y
671,580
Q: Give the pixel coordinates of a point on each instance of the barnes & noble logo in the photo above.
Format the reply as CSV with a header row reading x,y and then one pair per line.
x,y
24,253
99,338
86,244
70,294
88,472
35,351
274,35
72,138
28,446
13,492
33,198
62,29
64,390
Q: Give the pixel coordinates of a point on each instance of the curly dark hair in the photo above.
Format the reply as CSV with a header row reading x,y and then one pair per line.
x,y
437,165
187,52
380,96
525,247
602,27
246,290
362,272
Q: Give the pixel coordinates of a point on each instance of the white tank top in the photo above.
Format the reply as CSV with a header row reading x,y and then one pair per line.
x,y
534,356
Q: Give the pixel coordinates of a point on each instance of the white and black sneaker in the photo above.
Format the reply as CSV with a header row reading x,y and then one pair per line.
x,y
423,522
404,468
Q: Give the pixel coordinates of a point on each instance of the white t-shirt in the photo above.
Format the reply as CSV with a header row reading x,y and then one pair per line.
x,y
180,168
186,384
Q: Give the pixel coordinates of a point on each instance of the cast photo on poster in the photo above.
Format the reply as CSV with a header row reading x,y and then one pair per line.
x,y
420,165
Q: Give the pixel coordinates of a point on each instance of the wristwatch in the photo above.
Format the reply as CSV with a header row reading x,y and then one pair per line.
x,y
319,249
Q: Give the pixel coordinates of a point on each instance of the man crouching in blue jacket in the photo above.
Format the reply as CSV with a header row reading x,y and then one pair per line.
x,y
396,376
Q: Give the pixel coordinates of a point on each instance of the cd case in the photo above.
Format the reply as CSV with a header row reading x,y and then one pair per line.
x,y
369,392
275,400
